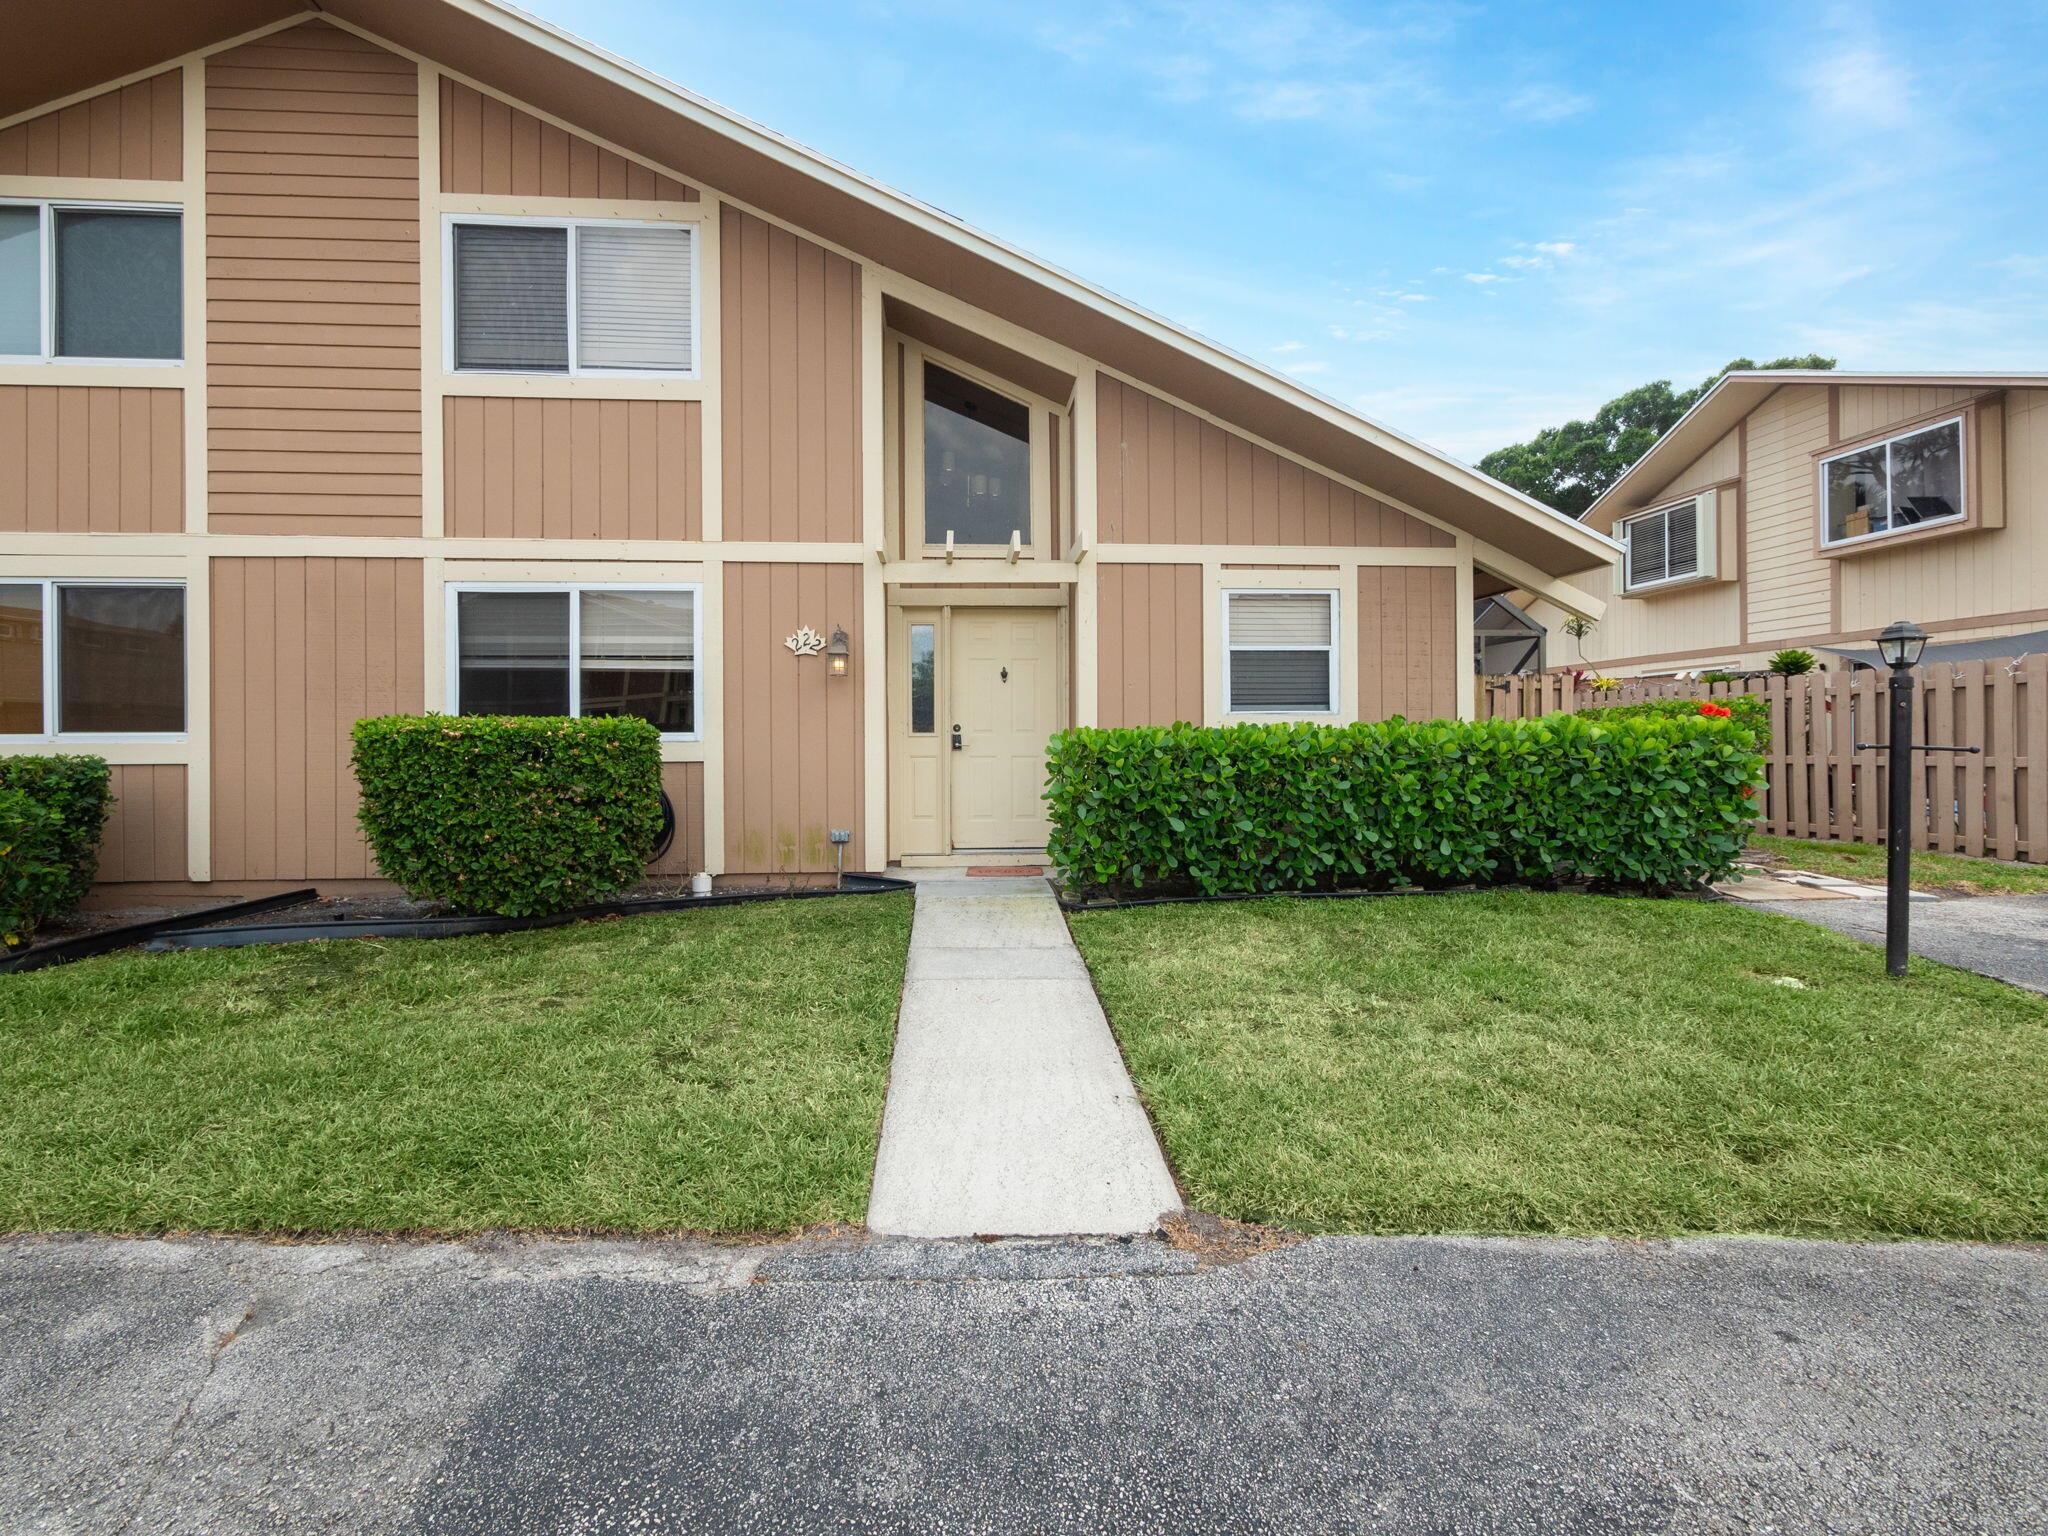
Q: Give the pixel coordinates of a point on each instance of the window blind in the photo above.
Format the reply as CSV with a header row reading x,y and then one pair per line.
x,y
1682,540
645,630
1279,644
511,298
1646,550
1279,618
633,306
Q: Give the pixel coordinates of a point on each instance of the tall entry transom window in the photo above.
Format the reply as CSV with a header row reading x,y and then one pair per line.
x,y
977,462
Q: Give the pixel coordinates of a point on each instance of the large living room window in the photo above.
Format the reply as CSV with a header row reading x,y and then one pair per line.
x,y
91,282
1280,653
1661,545
1909,481
92,659
977,463
572,296
578,650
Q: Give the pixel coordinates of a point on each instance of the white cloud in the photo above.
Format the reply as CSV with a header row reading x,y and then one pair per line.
x,y
1545,104
1557,248
1305,370
1484,277
1286,347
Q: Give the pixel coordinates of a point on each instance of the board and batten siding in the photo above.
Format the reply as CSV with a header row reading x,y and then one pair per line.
x,y
313,286
1408,662
1790,590
1167,476
794,763
91,460
493,148
302,649
1148,644
135,132
145,835
1866,408
789,313
573,469
684,784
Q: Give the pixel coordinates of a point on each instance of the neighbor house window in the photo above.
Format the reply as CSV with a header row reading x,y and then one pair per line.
x,y
977,462
578,651
92,659
1662,544
1908,481
90,282
1280,653
572,296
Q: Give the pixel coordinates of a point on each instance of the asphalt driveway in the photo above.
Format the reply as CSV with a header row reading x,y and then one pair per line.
x,y
2000,936
1412,1385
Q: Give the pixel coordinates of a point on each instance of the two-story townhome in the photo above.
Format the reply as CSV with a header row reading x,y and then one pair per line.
x,y
408,355
1796,509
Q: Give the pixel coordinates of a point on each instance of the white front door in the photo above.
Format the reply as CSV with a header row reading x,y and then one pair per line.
x,y
1003,681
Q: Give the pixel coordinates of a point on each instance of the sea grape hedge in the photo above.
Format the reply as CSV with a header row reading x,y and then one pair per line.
x,y
52,812
1747,709
1629,804
511,816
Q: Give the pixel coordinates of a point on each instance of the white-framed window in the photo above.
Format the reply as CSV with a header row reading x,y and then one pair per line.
x,y
570,296
524,648
1280,652
91,282
1912,480
977,462
1661,545
89,660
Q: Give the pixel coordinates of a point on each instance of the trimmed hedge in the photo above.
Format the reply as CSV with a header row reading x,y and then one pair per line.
x,y
1637,804
511,816
52,813
1748,709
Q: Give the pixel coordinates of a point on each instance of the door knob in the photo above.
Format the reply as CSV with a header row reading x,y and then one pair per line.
x,y
956,738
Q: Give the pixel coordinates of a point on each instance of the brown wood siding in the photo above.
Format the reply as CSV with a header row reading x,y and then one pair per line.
x,y
1149,644
794,765
1408,642
134,133
302,649
491,147
790,316
684,783
86,460
574,469
1167,476
145,836
313,286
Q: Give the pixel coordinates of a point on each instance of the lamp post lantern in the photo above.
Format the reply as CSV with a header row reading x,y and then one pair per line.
x,y
1900,646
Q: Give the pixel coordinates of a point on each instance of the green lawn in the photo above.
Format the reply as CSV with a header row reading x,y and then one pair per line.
x,y
1931,871
718,1070
1524,1062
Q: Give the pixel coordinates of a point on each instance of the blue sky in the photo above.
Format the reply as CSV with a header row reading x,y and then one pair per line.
x,y
1466,220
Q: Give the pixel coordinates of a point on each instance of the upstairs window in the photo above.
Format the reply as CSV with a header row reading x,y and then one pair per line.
x,y
91,282
1909,481
92,659
977,462
572,297
1662,545
578,651
1280,653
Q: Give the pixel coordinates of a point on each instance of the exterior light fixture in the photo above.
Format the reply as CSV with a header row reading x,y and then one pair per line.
x,y
1901,645
837,653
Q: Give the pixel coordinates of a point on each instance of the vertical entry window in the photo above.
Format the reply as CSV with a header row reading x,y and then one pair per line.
x,y
924,679
1911,480
977,462
21,659
638,655
21,282
1281,653
579,651
574,298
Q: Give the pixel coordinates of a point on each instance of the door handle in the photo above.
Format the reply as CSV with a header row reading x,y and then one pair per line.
x,y
956,738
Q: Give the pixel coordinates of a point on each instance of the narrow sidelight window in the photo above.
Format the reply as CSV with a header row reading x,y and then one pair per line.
x,y
579,651
92,659
977,462
1280,653
924,680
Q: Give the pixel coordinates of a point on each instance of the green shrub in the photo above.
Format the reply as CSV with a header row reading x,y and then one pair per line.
x,y
1792,663
1751,710
507,815
56,809
1641,804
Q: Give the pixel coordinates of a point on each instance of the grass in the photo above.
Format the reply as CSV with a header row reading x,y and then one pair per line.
x,y
1931,871
1517,1062
718,1070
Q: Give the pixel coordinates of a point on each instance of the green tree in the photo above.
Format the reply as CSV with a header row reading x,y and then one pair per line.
x,y
1568,467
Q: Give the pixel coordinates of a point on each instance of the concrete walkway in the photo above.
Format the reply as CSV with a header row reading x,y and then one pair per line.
x,y
2001,936
1009,1111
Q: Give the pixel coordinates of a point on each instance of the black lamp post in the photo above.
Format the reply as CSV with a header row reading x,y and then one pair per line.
x,y
1900,646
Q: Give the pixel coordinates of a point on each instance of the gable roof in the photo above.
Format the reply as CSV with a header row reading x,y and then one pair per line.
x,y
58,50
1715,414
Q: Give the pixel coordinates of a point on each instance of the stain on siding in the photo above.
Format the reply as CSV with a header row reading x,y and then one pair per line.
x,y
790,340
491,147
793,736
573,469
145,836
135,133
1408,642
1167,476
302,649
313,286
1148,644
87,460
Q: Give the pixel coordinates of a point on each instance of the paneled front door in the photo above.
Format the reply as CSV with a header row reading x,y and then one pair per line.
x,y
1004,687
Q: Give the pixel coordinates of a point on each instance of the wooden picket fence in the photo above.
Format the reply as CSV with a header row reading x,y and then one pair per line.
x,y
1993,803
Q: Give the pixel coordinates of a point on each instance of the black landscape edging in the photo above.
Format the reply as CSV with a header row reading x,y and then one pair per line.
x,y
106,940
1115,903
188,936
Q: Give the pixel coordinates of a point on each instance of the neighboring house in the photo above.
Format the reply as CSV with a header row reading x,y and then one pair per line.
x,y
415,356
1802,509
